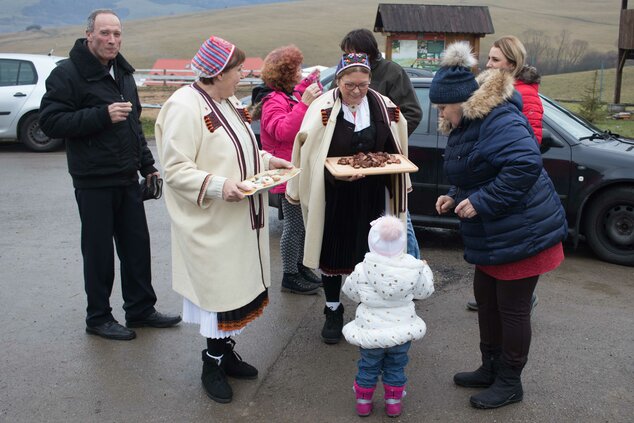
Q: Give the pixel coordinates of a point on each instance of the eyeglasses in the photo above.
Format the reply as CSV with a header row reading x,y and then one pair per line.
x,y
351,87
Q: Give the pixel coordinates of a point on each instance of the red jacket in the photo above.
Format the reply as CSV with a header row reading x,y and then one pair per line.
x,y
527,84
282,116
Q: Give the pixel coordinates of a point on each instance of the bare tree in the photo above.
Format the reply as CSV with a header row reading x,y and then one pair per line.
x,y
536,44
562,44
575,52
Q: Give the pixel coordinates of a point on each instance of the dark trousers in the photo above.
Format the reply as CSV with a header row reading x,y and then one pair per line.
x,y
504,315
107,213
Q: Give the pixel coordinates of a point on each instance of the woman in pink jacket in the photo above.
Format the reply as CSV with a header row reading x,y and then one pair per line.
x,y
280,105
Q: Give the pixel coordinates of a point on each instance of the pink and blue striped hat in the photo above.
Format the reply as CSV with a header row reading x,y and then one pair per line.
x,y
212,57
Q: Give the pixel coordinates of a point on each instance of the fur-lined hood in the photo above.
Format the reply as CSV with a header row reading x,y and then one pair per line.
x,y
529,75
495,87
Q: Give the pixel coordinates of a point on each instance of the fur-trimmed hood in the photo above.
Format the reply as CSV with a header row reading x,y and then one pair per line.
x,y
495,87
529,75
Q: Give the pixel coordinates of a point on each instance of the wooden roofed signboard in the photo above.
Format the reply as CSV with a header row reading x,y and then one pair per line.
x,y
416,34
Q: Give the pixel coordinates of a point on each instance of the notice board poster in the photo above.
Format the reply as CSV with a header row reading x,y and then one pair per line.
x,y
422,53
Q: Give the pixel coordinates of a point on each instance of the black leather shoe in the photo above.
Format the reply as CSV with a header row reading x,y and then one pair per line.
x,y
234,366
154,320
293,282
111,330
308,274
215,380
331,332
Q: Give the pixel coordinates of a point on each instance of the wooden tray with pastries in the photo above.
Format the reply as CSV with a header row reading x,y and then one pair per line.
x,y
370,164
268,179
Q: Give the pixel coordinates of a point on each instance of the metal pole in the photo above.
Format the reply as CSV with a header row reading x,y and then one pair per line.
x,y
601,84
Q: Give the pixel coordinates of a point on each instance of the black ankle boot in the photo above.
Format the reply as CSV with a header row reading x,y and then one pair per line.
x,y
308,274
293,282
484,376
506,389
331,332
215,380
234,366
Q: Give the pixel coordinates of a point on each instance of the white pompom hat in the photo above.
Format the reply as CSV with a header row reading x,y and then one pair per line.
x,y
387,236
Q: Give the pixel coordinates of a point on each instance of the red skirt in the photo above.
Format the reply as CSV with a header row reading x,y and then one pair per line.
x,y
542,262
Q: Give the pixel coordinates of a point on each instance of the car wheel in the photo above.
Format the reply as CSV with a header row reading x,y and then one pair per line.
x,y
609,226
34,138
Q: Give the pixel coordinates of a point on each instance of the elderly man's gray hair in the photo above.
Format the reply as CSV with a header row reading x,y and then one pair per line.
x,y
90,26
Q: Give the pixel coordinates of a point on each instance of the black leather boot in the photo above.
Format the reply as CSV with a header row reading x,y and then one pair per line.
x,y
484,376
506,389
331,332
215,381
293,282
234,366
308,274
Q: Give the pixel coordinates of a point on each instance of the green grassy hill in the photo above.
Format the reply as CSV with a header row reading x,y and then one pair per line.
x,y
571,86
317,27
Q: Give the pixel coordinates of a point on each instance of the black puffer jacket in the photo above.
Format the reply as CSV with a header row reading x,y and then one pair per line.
x,y
75,107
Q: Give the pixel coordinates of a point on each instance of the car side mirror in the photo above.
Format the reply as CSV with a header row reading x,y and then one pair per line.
x,y
549,141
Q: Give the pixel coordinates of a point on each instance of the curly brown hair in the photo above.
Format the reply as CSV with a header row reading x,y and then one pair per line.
x,y
280,68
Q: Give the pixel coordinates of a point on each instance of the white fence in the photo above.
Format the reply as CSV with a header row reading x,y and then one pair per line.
x,y
176,77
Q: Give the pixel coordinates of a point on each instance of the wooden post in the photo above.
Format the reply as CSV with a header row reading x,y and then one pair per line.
x,y
619,74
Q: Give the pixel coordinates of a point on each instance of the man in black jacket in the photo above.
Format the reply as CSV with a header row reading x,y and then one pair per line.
x,y
92,102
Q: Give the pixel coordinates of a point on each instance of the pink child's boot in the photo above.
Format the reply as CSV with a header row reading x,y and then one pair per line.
x,y
393,395
364,399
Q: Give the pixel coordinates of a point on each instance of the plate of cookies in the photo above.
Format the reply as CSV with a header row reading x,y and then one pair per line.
x,y
268,179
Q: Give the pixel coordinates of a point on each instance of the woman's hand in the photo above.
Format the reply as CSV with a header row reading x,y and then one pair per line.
x,y
277,163
349,178
465,209
233,191
444,204
312,92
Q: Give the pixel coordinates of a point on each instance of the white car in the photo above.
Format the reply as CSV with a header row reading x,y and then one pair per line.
x,y
22,85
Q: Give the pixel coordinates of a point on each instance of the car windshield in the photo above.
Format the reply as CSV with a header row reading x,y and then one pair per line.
x,y
569,122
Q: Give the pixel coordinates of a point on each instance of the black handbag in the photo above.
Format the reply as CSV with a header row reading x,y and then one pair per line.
x,y
153,190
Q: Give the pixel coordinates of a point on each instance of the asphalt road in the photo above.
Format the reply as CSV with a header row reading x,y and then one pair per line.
x,y
580,369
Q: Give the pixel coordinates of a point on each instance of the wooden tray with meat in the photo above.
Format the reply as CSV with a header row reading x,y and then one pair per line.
x,y
370,164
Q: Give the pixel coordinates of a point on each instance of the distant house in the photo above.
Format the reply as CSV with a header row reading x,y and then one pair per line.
x,y
252,67
417,34
179,71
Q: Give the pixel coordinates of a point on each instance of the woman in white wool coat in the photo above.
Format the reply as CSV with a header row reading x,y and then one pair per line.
x,y
385,285
220,243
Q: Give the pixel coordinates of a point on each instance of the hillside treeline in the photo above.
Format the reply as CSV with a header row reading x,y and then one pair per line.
x,y
71,12
563,54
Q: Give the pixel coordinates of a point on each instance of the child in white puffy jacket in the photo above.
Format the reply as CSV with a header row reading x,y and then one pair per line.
x,y
385,284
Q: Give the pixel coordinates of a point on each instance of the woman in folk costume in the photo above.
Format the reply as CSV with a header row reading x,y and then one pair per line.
x,y
511,220
337,211
220,243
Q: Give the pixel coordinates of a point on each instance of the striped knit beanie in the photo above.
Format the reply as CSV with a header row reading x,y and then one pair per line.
x,y
212,57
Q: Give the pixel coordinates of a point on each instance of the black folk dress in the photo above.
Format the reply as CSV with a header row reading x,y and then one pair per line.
x,y
351,206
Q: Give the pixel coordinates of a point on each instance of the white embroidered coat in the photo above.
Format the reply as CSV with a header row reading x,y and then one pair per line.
x,y
385,288
219,261
310,152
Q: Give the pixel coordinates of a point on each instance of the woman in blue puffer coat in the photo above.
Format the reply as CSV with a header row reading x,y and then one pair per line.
x,y
511,220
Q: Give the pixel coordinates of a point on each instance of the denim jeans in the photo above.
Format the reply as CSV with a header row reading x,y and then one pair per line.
x,y
412,242
388,362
